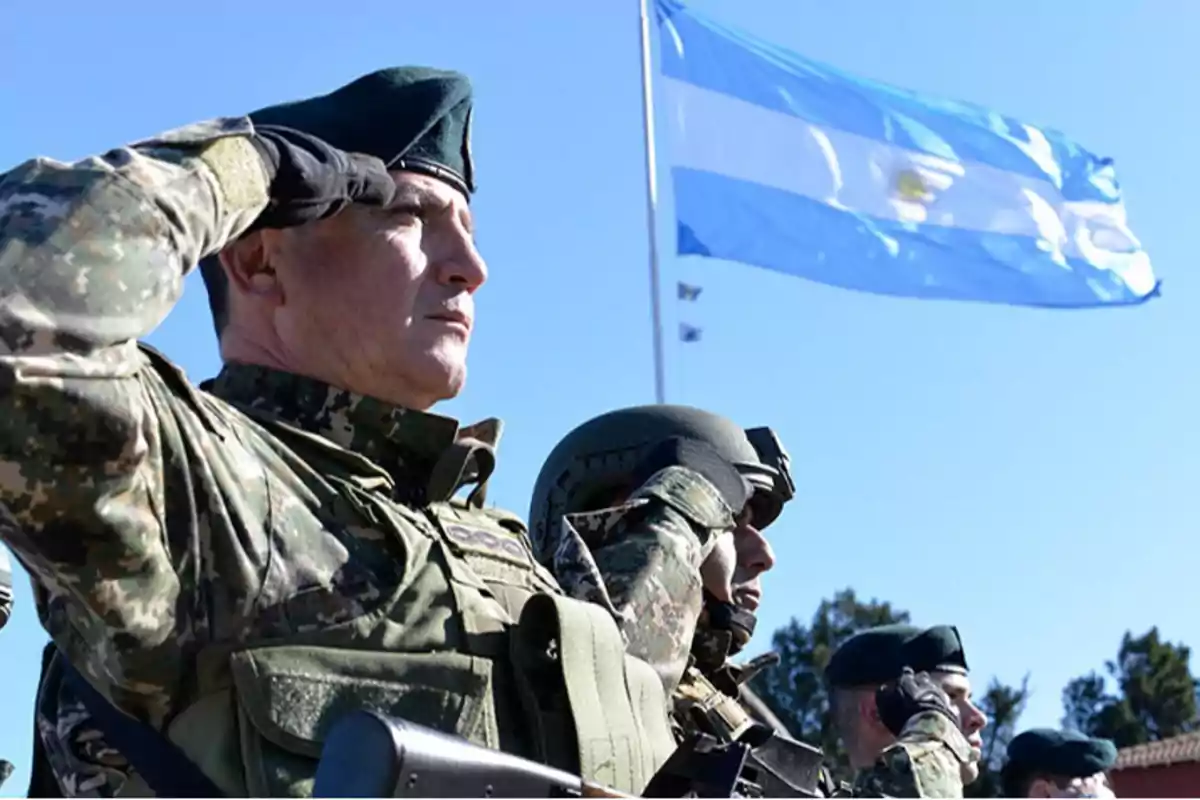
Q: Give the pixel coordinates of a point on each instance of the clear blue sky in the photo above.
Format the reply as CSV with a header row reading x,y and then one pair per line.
x,y
1028,475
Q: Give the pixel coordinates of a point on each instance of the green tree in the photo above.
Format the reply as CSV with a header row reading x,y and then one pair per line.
x,y
793,688
1003,705
1155,695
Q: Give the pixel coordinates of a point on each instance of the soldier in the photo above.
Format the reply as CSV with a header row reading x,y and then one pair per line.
x,y
227,570
6,603
584,486
1048,763
586,490
940,751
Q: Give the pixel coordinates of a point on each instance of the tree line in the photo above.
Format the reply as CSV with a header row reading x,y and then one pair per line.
x,y
1145,694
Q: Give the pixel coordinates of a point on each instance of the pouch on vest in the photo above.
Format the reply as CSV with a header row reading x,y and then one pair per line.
x,y
579,681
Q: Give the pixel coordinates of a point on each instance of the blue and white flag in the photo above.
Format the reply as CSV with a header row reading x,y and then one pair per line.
x,y
790,165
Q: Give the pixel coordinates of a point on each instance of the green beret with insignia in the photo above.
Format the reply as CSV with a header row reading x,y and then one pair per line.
x,y
416,119
1067,753
878,655
410,118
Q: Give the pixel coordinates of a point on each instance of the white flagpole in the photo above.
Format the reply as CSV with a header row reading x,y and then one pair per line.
x,y
652,202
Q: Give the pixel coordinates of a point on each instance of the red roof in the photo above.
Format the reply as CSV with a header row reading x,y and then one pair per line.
x,y
1185,747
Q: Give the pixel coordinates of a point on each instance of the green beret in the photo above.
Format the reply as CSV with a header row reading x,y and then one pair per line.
x,y
878,655
411,118
1066,753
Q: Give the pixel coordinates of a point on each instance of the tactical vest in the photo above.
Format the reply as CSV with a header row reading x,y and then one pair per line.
x,y
477,641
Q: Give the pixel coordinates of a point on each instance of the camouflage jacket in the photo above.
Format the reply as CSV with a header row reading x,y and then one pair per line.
x,y
926,761
172,531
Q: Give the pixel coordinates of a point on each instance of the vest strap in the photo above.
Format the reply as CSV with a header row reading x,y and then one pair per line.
x,y
162,765
650,712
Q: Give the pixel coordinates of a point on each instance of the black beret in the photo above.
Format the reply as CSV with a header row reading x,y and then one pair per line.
x,y
411,118
1066,753
878,655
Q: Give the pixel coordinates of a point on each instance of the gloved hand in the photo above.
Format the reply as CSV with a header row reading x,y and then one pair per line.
x,y
701,458
311,180
909,695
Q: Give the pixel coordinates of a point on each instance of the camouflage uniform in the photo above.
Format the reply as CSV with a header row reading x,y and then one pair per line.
x,y
277,549
925,762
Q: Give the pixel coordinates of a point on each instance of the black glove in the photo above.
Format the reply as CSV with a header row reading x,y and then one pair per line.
x,y
698,457
310,180
909,695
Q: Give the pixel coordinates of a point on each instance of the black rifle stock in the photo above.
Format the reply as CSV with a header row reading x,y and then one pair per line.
x,y
370,755
780,766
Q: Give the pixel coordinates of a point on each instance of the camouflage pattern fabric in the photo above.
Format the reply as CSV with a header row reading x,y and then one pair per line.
x,y
82,762
168,527
641,560
925,762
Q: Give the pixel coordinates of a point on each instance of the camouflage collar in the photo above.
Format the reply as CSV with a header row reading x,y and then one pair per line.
x,y
404,443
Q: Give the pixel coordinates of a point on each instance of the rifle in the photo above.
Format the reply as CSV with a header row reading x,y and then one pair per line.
x,y
371,755
780,766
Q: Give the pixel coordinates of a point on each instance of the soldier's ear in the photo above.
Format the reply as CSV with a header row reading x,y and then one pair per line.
x,y
869,712
247,266
1040,787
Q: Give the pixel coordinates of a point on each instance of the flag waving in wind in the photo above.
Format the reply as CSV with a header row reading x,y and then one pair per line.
x,y
787,164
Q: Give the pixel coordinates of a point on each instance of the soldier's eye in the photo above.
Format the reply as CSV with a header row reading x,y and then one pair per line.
x,y
413,210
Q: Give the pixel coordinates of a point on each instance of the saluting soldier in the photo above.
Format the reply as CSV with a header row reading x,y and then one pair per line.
x,y
589,485
937,751
232,567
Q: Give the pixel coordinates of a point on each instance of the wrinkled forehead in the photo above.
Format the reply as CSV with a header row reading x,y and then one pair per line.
x,y
419,183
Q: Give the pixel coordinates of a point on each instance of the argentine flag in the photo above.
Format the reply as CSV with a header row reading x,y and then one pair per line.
x,y
787,164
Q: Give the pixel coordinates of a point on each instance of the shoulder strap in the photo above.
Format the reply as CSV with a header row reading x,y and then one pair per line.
x,y
162,765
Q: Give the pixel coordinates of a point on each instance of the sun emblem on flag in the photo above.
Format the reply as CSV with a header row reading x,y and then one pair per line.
x,y
911,186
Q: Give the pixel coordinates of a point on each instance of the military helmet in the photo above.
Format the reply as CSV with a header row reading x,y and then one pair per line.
x,y
597,459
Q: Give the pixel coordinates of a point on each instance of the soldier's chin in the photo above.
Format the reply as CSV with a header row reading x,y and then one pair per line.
x,y
970,770
440,373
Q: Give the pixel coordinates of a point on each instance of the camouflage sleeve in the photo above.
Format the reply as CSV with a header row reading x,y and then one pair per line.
x,y
648,552
926,761
92,257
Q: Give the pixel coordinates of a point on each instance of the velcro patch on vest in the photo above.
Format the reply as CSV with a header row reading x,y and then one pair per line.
x,y
482,542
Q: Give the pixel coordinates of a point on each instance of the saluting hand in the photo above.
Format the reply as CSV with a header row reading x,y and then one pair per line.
x,y
910,694
702,458
311,180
